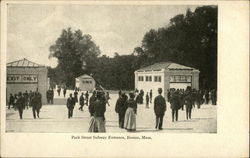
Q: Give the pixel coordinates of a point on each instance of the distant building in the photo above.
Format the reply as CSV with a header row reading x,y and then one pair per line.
x,y
166,75
25,75
85,83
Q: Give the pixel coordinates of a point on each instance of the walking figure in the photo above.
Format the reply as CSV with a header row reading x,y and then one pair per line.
x,y
159,109
147,100
70,105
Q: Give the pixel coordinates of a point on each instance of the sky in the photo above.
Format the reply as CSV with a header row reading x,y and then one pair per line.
x,y
33,28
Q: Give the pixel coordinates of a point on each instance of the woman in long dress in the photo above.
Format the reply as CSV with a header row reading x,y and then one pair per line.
x,y
97,122
130,115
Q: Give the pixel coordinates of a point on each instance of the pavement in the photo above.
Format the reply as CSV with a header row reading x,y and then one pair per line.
x,y
53,119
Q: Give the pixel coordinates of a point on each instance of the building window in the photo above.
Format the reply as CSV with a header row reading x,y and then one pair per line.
x,y
157,78
150,78
90,82
140,78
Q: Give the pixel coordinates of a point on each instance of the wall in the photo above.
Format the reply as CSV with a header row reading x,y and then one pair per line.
x,y
147,86
86,86
42,81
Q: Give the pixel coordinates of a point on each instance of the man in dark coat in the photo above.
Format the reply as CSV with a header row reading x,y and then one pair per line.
x,y
87,98
11,100
20,104
70,105
81,101
64,92
159,109
189,105
48,96
26,99
175,105
91,105
151,95
121,108
36,103
76,96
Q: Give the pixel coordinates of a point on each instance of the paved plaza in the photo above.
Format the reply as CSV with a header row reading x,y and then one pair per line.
x,y
53,119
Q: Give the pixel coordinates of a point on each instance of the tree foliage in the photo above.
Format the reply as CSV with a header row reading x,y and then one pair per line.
x,y
189,39
76,54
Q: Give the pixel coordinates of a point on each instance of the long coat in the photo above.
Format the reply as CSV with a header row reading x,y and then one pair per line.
x,y
159,105
120,106
71,103
20,103
81,100
175,102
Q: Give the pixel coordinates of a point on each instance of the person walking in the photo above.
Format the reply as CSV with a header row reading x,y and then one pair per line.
x,y
20,104
188,103
11,101
121,108
81,101
107,98
64,92
147,100
70,105
159,109
36,103
87,98
26,99
91,103
175,103
151,95
97,122
130,115
59,91
76,96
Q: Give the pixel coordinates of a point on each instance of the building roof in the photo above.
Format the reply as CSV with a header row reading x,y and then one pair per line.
x,y
165,65
24,63
85,76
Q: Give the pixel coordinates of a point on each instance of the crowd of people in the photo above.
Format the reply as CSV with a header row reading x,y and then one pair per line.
x,y
125,107
22,101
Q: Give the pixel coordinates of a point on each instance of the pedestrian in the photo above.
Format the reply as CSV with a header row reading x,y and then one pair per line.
x,y
26,99
91,103
81,100
48,96
168,95
151,95
206,97
64,92
130,115
75,96
175,103
147,100
188,103
199,99
59,91
107,98
70,105
97,122
87,98
11,100
52,95
121,108
20,104
159,109
36,103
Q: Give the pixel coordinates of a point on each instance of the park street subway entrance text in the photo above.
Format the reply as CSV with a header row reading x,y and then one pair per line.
x,y
112,137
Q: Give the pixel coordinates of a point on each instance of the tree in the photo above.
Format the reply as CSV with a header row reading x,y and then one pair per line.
x,y
76,54
189,39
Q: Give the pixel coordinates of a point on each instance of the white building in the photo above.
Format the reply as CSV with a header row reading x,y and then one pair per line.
x,y
24,75
166,75
85,83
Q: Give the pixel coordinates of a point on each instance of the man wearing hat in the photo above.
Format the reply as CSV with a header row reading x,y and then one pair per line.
x,y
20,104
70,105
159,109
